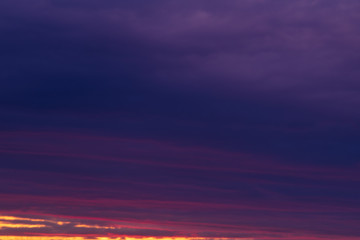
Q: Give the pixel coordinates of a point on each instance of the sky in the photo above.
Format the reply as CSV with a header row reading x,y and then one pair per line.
x,y
179,120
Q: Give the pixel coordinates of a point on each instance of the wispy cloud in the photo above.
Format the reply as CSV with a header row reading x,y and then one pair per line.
x,y
210,119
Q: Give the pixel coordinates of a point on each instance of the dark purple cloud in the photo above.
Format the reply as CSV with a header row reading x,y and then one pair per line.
x,y
219,119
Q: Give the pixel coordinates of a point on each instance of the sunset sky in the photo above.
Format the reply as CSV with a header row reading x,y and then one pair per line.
x,y
180,120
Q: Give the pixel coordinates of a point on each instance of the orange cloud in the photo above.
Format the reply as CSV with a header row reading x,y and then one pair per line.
x,y
15,225
12,218
102,238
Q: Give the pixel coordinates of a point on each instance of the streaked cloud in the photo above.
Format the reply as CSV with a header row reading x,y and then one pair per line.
x,y
182,119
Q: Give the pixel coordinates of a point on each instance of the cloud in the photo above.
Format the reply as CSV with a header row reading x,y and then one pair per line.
x,y
182,189
54,228
292,51
208,118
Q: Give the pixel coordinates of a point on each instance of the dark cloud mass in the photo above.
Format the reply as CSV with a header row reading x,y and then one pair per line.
x,y
214,119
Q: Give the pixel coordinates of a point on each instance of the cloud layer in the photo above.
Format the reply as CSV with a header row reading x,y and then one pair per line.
x,y
210,119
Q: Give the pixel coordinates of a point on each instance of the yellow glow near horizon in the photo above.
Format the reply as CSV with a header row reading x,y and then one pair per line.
x,y
105,238
44,238
7,222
